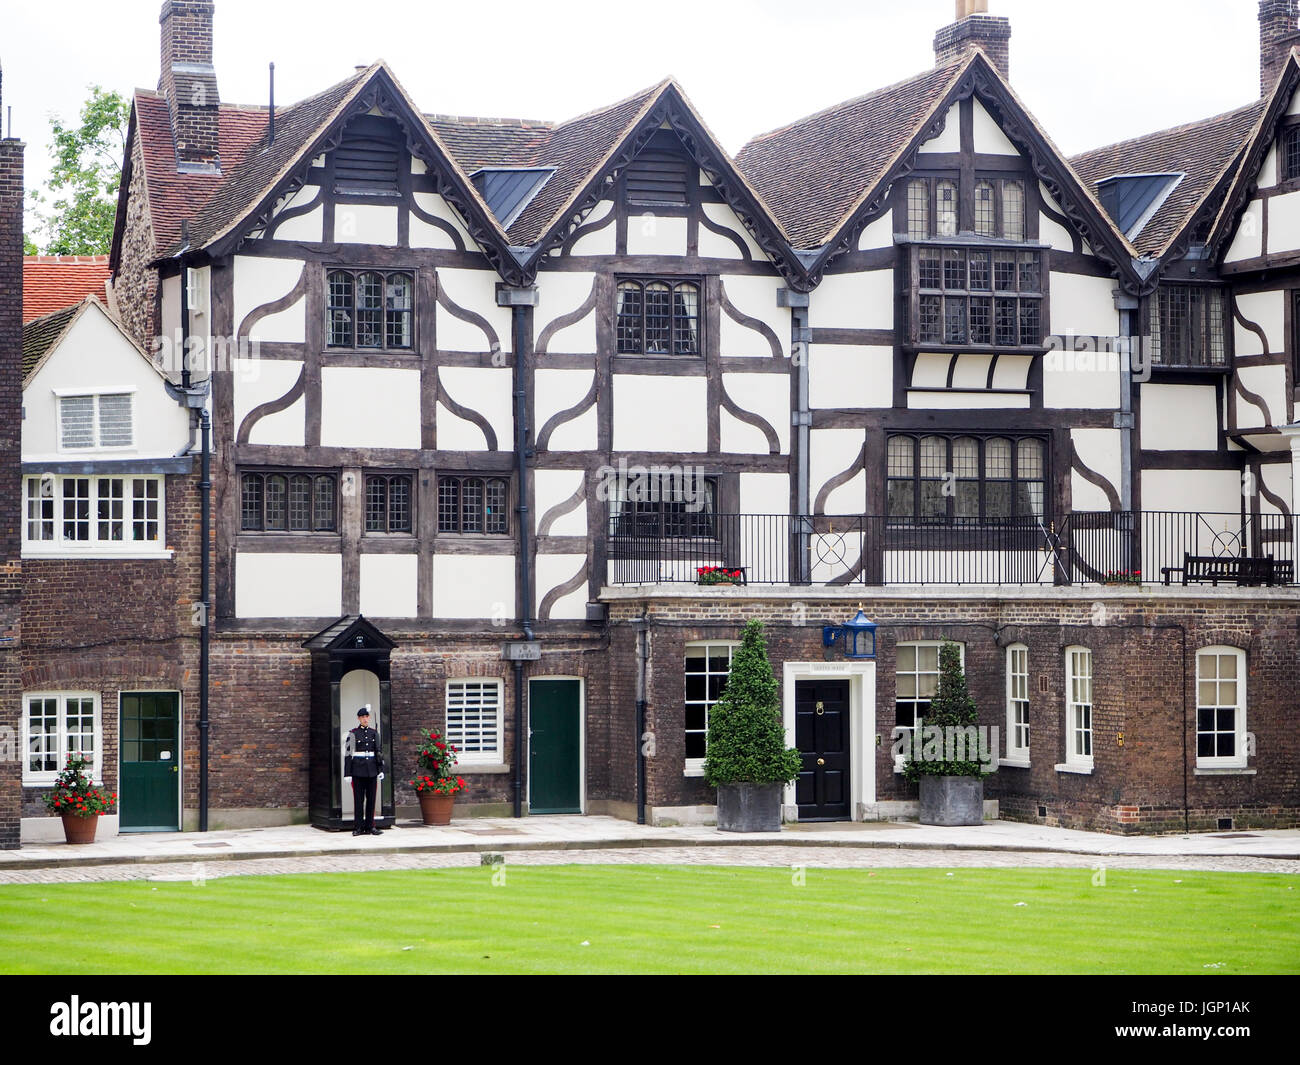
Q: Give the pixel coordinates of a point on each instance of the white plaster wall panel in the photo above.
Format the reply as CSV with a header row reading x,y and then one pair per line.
x,y
424,235
1061,234
964,400
854,301
1081,380
764,493
390,586
278,584
660,413
1206,491
308,227
1247,242
950,139
931,370
1266,310
1294,107
473,290
755,297
171,309
1100,450
369,407
553,571
989,138
1052,233
1086,496
966,567
1267,176
1269,383
551,488
651,234
561,294
95,357
200,327
1179,418
485,390
878,234
602,241
258,381
971,371
1083,306
557,390
365,223
831,451
1284,222
1012,371
850,375
418,166
473,586
764,394
259,281
1275,477
432,203
715,245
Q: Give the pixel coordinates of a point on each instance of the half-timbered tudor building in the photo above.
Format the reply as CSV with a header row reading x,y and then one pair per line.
x,y
515,423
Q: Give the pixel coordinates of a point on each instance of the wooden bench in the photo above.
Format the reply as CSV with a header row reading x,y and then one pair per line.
x,y
1242,570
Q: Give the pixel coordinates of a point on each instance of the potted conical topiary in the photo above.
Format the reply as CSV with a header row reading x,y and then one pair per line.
x,y
748,761
952,788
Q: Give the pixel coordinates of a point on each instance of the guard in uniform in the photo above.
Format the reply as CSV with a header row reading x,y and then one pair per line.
x,y
364,763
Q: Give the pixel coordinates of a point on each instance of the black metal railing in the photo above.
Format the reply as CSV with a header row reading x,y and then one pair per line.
x,y
1138,547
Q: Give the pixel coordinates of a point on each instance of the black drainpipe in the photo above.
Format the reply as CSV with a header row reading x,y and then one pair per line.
x,y
643,656
518,331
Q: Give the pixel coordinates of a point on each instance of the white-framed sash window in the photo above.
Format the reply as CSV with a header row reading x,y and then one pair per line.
x,y
1018,703
1221,708
70,514
1078,709
55,725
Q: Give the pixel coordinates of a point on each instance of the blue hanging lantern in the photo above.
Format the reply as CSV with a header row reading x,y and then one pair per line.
x,y
857,637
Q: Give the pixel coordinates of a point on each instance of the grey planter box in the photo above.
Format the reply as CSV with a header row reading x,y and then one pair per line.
x,y
950,801
749,807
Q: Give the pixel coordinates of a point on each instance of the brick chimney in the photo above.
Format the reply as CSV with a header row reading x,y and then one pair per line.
x,y
1279,30
11,399
975,28
189,82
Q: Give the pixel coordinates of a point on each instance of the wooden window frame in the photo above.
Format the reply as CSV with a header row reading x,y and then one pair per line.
x,y
1018,700
1288,136
932,181
389,478
665,519
45,509
39,778
922,297
916,703
694,764
982,521
316,527
1199,340
1077,725
385,273
673,283
1238,759
507,505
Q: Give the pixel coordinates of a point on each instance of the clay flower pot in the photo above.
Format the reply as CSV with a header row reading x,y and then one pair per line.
x,y
79,829
436,809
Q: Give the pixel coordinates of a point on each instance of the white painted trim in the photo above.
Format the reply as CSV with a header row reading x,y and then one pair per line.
x,y
95,390
1080,769
45,778
1224,771
1237,762
1014,763
482,758
582,735
67,553
1016,756
862,726
1079,763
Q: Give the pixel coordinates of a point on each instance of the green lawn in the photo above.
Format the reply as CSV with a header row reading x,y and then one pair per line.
x,y
663,919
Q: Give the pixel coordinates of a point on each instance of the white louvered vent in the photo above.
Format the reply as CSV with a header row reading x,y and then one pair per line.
x,y
115,428
474,717
77,421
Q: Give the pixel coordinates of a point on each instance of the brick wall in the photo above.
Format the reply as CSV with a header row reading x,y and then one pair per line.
x,y
991,33
1144,698
1279,30
11,390
188,80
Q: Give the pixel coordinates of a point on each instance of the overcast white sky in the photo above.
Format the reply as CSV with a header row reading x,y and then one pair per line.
x,y
1092,71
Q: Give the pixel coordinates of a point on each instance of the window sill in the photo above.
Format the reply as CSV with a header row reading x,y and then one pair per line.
x,y
97,553
481,768
1082,770
1014,763
1223,771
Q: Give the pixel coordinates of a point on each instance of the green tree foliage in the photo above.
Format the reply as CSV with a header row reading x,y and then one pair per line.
x,y
746,737
953,707
84,179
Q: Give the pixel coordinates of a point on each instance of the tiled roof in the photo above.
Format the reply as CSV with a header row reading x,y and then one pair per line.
x,y
259,165
576,149
51,282
814,171
173,196
1202,150
40,333
487,142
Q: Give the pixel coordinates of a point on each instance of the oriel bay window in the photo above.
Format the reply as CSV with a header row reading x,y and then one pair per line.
x,y
658,317
370,309
288,502
1188,326
476,505
964,480
977,297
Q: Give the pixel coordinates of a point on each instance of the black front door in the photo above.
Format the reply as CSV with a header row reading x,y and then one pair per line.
x,y
821,732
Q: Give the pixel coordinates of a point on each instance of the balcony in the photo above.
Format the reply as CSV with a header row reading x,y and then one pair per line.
x,y
1080,548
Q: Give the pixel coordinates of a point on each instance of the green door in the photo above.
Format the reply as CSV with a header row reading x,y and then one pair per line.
x,y
150,779
555,744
